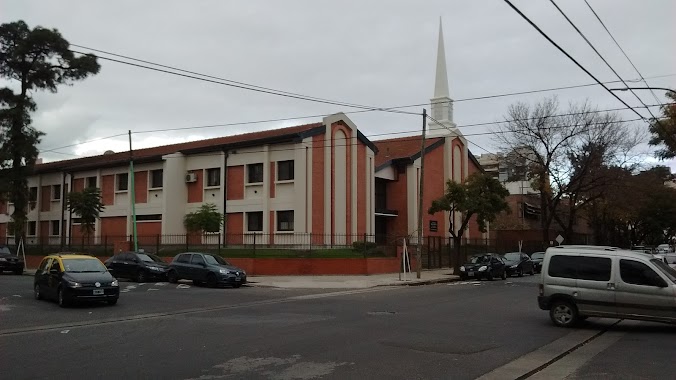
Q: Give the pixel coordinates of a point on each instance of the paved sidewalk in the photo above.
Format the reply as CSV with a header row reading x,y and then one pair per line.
x,y
352,281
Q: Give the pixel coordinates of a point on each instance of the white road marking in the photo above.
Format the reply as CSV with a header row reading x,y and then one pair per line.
x,y
16,295
160,284
65,331
151,289
182,286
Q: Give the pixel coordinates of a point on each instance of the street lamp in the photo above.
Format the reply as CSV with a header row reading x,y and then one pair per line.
x,y
644,88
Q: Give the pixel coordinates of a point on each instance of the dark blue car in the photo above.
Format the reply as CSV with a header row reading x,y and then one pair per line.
x,y
205,268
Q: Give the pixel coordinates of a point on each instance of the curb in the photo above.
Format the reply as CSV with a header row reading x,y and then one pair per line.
x,y
423,282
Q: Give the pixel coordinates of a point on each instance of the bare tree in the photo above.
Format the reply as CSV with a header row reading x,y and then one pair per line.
x,y
567,154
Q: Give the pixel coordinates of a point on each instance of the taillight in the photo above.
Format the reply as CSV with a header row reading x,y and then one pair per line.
x,y
541,289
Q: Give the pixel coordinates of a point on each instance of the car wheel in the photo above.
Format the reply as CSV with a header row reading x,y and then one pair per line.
x,y
463,277
520,272
140,276
211,280
18,271
563,313
61,298
197,283
112,302
489,276
237,285
532,271
504,275
172,276
36,292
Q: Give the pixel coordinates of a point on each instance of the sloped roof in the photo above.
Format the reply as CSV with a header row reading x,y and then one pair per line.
x,y
156,153
402,148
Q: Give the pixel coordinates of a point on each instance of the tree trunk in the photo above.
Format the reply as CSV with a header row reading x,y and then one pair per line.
x,y
458,254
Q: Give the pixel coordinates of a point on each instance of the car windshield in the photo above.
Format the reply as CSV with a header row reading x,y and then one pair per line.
x,y
538,255
513,256
149,258
83,265
666,269
155,258
480,259
215,260
5,250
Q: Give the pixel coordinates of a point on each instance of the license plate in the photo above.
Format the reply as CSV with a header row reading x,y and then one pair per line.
x,y
98,292
471,274
238,279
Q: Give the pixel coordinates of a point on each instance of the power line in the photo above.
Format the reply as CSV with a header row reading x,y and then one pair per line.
x,y
620,47
570,57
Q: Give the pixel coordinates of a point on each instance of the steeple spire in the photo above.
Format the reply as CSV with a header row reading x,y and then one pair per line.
x,y
442,104
441,80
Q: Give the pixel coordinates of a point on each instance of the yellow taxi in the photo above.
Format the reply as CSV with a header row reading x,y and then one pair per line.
x,y
68,278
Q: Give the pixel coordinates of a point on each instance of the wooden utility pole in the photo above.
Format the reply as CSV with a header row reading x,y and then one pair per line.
x,y
132,191
418,254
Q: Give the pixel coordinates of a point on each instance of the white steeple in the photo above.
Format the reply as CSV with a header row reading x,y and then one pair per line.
x,y
442,104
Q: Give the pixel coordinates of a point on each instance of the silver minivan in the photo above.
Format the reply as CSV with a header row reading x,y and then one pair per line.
x,y
594,281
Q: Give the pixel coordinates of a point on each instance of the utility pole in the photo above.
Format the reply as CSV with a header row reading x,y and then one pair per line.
x,y
133,194
418,254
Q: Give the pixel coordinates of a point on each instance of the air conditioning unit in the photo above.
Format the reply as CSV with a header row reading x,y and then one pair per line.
x,y
190,177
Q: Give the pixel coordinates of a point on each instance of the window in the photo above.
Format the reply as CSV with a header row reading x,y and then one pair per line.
x,y
636,273
580,267
156,178
214,177
55,265
122,181
90,182
32,228
284,170
44,264
197,260
56,192
184,258
33,194
56,228
149,217
255,173
254,221
284,220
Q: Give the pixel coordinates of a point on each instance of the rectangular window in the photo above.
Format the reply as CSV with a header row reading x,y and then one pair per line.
x,y
255,173
156,179
122,181
197,260
141,218
284,220
56,228
214,177
33,194
254,221
637,273
285,170
562,266
56,192
183,258
580,267
91,182
32,228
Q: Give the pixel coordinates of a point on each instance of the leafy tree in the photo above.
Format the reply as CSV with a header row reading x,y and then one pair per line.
x,y
36,59
663,132
206,219
87,205
480,194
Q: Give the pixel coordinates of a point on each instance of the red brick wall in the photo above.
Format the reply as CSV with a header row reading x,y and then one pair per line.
x,y
3,232
397,194
45,230
234,227
149,229
235,182
361,189
347,160
3,207
272,227
46,198
78,184
454,144
114,226
318,188
472,167
473,231
108,189
141,186
434,189
272,179
196,189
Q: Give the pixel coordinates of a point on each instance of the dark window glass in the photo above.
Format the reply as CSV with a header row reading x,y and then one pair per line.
x,y
184,258
141,218
636,273
285,170
56,228
284,220
593,268
254,221
381,194
55,265
156,179
33,194
255,173
214,177
44,264
56,192
122,181
562,266
91,182
197,260
32,227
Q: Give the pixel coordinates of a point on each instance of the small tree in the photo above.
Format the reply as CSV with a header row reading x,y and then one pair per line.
x,y
87,205
480,195
206,219
663,132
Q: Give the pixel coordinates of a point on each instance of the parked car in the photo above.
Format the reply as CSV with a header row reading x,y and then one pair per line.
x,y
518,263
663,248
205,268
9,261
138,266
581,282
68,278
537,258
488,266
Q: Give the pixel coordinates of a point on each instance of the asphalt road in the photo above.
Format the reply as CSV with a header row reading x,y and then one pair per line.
x,y
446,331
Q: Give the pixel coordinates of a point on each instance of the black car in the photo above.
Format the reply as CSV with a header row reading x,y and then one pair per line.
x,y
204,268
486,266
9,261
138,266
537,259
518,263
67,278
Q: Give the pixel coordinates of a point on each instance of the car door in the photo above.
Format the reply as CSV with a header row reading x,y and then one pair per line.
x,y
53,278
42,274
595,290
641,292
115,266
198,268
527,263
497,266
182,265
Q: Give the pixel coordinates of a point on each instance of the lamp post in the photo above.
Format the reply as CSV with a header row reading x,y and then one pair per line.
x,y
644,88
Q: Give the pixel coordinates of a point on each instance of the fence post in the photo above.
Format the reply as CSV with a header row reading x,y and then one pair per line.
x,y
254,244
219,243
157,245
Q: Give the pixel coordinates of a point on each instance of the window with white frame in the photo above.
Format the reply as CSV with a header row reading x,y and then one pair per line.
x,y
122,182
254,173
90,182
156,178
285,220
285,170
254,221
214,177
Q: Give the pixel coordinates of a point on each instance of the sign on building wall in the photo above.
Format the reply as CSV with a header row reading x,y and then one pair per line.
x,y
434,226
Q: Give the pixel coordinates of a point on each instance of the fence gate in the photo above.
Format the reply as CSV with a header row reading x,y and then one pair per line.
x,y
433,257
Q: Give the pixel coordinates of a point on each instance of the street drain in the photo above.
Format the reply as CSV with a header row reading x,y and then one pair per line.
x,y
381,312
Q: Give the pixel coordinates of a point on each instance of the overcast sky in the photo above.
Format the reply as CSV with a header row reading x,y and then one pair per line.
x,y
372,53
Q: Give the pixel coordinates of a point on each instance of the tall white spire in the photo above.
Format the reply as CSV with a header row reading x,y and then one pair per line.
x,y
442,104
